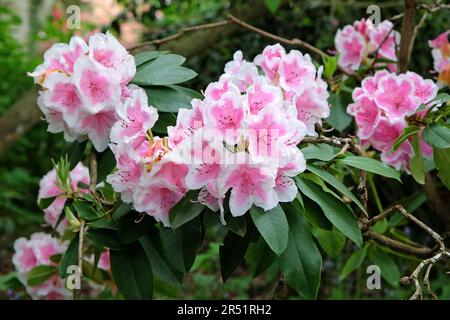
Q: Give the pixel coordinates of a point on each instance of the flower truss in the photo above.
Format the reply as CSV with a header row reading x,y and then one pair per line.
x,y
441,56
241,138
381,107
82,85
358,43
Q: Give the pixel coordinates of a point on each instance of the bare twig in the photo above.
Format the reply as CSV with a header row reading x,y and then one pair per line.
x,y
180,33
93,172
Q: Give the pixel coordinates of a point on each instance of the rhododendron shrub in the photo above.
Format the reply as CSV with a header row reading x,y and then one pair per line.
x,y
363,43
382,106
266,155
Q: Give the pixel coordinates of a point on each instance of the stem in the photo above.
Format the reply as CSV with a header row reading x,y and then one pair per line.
x,y
376,197
407,36
77,292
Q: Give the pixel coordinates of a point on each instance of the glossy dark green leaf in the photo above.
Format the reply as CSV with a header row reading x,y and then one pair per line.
x,y
106,163
273,5
330,179
38,275
388,267
165,119
237,225
106,238
152,246
301,262
334,209
70,257
332,242
353,263
437,135
121,210
44,203
407,132
371,165
339,118
143,57
171,98
158,72
232,252
312,213
442,160
320,151
86,210
132,273
75,152
133,226
273,227
416,164
259,257
186,209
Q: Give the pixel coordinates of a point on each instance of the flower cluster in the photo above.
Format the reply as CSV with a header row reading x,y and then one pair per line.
x,y
381,106
34,252
441,56
82,85
49,188
358,42
38,251
148,173
241,139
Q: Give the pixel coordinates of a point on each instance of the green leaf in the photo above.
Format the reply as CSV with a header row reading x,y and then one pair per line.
x,y
353,262
416,164
157,72
232,252
441,98
332,242
165,119
38,275
273,227
388,267
86,210
44,203
132,273
330,179
168,59
106,163
339,118
121,210
237,225
160,267
171,98
143,57
301,262
106,238
272,5
312,213
180,245
442,160
437,136
320,151
75,152
131,229
185,210
329,66
70,257
407,132
371,165
336,211
259,257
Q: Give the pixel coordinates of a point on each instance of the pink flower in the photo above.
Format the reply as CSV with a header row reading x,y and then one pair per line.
x,y
98,128
242,73
285,187
367,116
107,51
395,95
48,188
269,60
261,94
350,44
34,252
295,70
250,184
135,117
104,261
356,44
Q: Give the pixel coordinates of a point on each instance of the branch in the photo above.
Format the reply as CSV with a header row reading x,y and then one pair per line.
x,y
407,32
397,245
180,33
77,291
